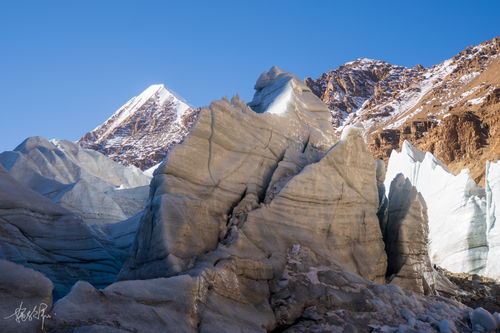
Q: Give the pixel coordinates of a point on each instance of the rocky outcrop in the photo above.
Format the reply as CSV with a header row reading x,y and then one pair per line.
x,y
81,180
39,234
26,298
143,130
360,84
475,290
456,209
462,114
313,296
462,139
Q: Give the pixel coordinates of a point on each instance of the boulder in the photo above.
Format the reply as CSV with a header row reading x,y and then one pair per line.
x,y
482,318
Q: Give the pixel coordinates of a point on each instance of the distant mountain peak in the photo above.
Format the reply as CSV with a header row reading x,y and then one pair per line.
x,y
142,130
156,93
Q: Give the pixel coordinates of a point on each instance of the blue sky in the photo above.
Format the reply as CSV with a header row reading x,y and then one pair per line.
x,y
66,66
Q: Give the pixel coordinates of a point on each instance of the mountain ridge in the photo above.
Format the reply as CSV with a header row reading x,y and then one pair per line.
x,y
422,105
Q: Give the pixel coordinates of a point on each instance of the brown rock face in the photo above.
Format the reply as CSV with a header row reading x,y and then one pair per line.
x,y
464,139
458,137
346,89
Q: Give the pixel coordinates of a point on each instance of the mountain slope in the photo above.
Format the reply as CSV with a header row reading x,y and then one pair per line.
x,y
141,131
450,109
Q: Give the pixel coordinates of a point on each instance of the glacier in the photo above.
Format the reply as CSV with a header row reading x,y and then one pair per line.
x,y
81,180
492,215
42,235
260,220
456,209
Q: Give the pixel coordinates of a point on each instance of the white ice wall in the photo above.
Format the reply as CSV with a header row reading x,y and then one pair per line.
x,y
493,219
456,209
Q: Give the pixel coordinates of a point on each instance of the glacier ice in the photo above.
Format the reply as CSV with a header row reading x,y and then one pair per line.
x,y
81,180
273,92
40,234
492,215
456,209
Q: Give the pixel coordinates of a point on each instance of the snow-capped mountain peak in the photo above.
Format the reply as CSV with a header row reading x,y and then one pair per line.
x,y
156,93
141,131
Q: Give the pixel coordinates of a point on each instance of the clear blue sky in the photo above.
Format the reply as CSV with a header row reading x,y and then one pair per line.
x,y
66,66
